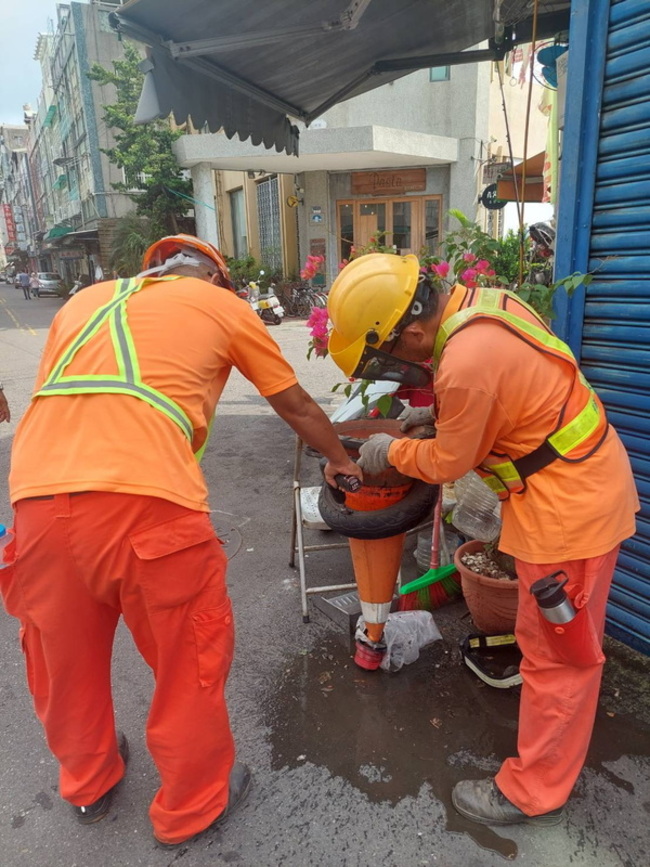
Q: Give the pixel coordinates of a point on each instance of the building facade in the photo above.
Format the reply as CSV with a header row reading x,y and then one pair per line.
x,y
58,183
391,162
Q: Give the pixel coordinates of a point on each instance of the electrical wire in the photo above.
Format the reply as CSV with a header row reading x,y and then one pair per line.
x,y
526,128
509,142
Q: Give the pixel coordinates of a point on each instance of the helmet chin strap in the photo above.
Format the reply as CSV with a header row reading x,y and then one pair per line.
x,y
178,260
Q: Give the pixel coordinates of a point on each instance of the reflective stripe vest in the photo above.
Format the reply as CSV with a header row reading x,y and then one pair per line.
x,y
582,424
128,379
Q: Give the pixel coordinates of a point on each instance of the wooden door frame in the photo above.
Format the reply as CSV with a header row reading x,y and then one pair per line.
x,y
417,216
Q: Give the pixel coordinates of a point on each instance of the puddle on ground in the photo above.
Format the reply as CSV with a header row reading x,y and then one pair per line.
x,y
433,722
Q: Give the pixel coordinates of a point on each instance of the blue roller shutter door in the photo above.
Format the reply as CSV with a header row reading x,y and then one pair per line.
x,y
615,351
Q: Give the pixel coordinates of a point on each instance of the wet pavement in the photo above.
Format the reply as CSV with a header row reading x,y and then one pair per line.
x,y
351,768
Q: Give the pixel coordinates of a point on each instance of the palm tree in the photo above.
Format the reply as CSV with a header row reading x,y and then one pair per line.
x,y
133,234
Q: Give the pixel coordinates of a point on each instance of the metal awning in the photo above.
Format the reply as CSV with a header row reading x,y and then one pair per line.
x,y
248,66
57,232
511,186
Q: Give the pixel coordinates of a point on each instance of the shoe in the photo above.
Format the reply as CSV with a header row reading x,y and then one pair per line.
x,y
482,802
98,809
239,785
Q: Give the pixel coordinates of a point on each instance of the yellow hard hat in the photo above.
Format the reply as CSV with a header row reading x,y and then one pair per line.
x,y
366,303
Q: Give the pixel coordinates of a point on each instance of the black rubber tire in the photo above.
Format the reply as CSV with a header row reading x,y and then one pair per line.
x,y
391,521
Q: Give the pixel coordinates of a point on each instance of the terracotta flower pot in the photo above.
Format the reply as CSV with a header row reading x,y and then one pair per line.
x,y
492,602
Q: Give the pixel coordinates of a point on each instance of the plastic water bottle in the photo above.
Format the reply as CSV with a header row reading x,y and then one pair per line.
x,y
5,537
477,510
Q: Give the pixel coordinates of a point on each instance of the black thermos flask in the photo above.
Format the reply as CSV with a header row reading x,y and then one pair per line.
x,y
553,602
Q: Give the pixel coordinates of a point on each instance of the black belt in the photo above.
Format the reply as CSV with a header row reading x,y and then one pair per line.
x,y
536,460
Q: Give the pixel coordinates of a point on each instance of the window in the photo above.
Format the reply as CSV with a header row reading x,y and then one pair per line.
x,y
410,224
439,73
238,218
268,213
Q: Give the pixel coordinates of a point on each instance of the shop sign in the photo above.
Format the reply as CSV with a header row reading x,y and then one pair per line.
x,y
489,199
390,183
71,253
491,171
9,223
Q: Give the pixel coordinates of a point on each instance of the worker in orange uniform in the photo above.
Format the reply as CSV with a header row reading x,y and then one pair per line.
x,y
510,402
112,518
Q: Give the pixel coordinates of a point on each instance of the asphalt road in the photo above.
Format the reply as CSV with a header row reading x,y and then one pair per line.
x,y
351,769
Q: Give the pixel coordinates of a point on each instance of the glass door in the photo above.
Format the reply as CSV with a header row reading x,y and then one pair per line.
x,y
409,224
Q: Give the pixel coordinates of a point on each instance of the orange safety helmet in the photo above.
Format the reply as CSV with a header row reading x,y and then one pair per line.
x,y
165,248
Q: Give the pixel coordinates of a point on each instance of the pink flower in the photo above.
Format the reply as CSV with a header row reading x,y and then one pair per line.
x,y
468,275
490,272
312,267
482,265
320,346
469,257
342,264
317,317
318,322
441,269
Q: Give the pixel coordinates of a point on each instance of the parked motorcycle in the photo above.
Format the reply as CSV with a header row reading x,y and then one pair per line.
x,y
542,252
263,301
80,283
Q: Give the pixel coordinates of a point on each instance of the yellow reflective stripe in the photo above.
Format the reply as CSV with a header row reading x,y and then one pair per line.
x,y
128,380
488,304
506,471
494,483
112,385
575,432
87,332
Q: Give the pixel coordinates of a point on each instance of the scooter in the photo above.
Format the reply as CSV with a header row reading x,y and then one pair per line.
x,y
265,303
542,236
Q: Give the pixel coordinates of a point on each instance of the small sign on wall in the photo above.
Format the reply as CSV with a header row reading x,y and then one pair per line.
x,y
389,183
316,215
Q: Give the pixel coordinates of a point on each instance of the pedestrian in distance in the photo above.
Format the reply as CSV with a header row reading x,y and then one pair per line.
x,y
24,283
33,284
511,403
5,412
113,520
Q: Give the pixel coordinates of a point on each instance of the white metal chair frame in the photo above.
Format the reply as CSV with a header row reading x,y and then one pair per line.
x,y
298,543
298,546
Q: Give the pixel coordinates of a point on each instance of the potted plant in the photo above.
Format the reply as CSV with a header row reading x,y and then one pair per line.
x,y
489,584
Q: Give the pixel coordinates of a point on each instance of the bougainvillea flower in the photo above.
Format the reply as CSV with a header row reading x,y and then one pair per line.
x,y
441,269
469,257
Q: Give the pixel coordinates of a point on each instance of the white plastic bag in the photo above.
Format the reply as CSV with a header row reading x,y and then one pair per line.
x,y
405,634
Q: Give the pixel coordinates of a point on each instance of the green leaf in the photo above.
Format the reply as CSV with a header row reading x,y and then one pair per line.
x,y
384,404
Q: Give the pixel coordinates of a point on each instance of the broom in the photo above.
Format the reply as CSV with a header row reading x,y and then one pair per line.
x,y
439,584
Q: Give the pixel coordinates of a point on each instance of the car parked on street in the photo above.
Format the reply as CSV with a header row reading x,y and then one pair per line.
x,y
49,283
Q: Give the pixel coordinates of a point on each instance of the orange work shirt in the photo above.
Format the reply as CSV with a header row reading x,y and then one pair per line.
x,y
188,335
495,392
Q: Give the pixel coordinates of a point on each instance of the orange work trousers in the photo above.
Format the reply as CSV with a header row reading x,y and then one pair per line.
x,y
558,699
81,561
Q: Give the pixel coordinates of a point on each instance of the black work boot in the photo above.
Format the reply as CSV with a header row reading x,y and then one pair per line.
x,y
239,785
98,809
482,802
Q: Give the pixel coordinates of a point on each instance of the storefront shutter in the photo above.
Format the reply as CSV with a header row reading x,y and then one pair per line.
x,y
615,335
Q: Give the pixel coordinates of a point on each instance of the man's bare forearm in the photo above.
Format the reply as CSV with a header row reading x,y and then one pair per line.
x,y
308,420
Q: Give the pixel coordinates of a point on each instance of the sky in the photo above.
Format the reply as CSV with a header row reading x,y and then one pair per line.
x,y
20,74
